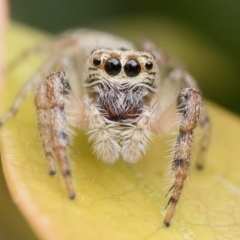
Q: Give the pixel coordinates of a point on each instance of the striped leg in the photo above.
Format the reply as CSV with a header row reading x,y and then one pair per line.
x,y
189,105
52,124
204,122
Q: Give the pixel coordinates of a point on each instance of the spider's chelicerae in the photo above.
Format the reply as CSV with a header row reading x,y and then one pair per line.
x,y
122,95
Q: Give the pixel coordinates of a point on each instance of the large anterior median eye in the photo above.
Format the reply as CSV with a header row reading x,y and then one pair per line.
x,y
132,68
113,66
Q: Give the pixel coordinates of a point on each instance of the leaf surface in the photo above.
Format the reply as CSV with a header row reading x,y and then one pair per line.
x,y
117,201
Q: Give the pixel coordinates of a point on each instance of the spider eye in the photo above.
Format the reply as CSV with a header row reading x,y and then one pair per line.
x,y
148,65
132,68
113,66
97,61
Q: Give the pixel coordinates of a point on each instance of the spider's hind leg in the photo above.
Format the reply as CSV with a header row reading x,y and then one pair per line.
x,y
205,125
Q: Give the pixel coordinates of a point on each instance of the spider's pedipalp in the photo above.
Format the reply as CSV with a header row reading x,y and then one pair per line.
x,y
135,140
103,135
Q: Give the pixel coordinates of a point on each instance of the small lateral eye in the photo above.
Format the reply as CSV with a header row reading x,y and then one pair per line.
x,y
113,66
132,68
97,61
148,65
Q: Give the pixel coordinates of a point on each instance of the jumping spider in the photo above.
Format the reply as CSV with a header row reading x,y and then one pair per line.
x,y
122,95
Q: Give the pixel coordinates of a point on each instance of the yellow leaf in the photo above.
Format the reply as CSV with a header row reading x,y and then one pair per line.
x,y
119,201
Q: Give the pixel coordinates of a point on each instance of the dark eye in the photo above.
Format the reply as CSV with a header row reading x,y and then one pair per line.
x,y
148,65
113,66
97,61
132,68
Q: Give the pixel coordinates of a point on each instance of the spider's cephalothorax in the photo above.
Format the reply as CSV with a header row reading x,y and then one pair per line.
x,y
123,96
121,82
121,85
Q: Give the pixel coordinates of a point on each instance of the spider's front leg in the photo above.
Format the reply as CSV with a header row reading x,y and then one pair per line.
x,y
184,78
52,124
189,106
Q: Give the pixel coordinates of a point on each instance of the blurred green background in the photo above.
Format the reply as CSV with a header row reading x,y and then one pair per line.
x,y
213,21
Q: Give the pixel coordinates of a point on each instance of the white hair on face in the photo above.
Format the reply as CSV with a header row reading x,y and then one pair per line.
x,y
120,100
